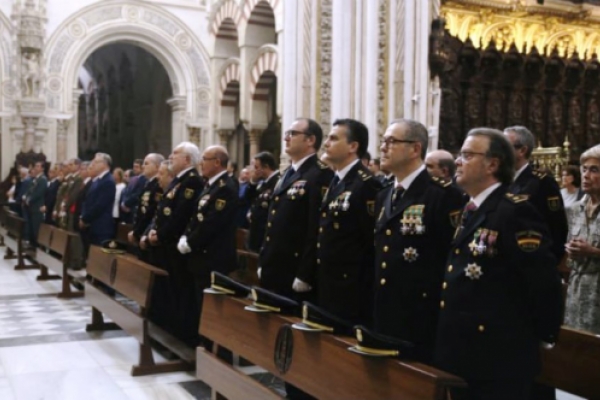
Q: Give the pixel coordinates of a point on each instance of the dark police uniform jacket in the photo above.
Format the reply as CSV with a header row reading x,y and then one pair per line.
x,y
176,207
211,229
149,198
501,299
411,247
345,246
261,195
544,194
290,245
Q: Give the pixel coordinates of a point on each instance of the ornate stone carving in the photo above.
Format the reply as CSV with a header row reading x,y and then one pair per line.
x,y
183,40
254,136
307,59
77,30
55,84
194,134
199,66
62,128
31,32
102,15
57,57
399,58
382,68
203,103
30,74
8,89
29,133
131,13
224,135
160,22
324,55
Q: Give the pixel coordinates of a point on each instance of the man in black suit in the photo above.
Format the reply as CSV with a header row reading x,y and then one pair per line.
x,y
34,201
259,194
416,218
288,259
541,189
51,193
501,294
173,213
209,240
345,243
96,219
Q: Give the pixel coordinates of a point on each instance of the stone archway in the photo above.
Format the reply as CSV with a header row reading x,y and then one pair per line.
x,y
146,26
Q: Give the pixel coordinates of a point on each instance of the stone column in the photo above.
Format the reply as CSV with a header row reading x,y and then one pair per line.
x,y
224,135
62,132
178,132
255,135
72,138
29,133
194,134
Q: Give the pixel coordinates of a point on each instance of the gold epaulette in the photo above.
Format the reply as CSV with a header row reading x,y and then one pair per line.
x,y
363,175
442,181
322,165
517,198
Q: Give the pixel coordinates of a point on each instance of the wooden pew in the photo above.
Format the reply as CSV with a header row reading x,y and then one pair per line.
x,y
319,364
15,231
54,253
3,213
133,279
247,260
573,365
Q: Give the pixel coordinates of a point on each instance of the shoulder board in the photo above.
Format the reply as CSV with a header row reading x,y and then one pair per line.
x,y
516,198
441,181
364,176
539,174
322,165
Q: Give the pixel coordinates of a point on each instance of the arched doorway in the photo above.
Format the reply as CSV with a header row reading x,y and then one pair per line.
x,y
123,109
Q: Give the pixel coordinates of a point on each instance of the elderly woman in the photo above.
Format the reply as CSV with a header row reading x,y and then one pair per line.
x,y
583,247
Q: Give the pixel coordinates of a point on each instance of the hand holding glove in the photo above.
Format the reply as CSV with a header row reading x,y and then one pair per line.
x,y
300,286
183,246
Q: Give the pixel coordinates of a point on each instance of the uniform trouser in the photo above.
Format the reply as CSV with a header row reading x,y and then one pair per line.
x,y
161,306
34,221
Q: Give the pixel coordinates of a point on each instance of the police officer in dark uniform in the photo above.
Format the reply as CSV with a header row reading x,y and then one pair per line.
x,y
541,189
260,193
501,296
149,198
172,215
288,259
209,239
416,219
345,243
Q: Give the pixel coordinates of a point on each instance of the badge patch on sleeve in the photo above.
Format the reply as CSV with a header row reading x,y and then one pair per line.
x,y
528,241
455,218
220,204
554,203
189,193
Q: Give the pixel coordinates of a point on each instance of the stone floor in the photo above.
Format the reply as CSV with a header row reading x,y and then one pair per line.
x,y
46,354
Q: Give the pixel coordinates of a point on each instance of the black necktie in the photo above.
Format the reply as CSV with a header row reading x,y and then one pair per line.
x,y
287,176
334,181
397,196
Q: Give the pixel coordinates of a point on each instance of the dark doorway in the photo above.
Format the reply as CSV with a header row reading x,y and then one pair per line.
x,y
123,110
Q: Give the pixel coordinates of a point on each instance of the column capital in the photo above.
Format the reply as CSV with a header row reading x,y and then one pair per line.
x,y
177,103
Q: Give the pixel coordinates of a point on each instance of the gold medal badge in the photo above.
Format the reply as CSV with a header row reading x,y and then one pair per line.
x,y
220,204
167,211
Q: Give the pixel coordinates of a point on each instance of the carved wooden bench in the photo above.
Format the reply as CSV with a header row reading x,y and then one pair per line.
x,y
54,253
133,279
573,365
14,232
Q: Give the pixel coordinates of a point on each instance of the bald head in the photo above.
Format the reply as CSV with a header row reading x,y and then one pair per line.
x,y
214,161
440,163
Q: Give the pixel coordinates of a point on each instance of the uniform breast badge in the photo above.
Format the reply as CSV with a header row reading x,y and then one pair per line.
x,y
473,271
189,193
410,254
203,201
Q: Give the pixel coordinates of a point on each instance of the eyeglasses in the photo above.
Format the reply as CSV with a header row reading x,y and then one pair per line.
x,y
468,155
292,132
208,158
389,141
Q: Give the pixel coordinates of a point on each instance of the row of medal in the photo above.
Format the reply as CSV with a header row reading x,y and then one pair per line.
x,y
296,189
342,202
412,221
484,242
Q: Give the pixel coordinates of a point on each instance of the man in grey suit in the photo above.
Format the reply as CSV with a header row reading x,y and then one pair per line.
x,y
34,201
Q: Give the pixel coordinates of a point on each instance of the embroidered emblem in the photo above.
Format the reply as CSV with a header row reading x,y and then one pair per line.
x,y
528,241
189,193
410,254
220,204
554,203
473,271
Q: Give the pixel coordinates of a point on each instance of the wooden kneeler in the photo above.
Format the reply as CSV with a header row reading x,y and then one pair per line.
x,y
15,230
134,280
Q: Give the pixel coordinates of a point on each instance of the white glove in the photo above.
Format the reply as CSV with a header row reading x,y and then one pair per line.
x,y
258,271
183,246
300,286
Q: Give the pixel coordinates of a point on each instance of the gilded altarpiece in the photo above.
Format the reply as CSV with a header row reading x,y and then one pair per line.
x,y
499,73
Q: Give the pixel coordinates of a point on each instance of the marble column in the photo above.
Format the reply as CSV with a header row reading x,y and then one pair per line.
x,y
71,145
178,131
224,135
29,133
255,135
62,132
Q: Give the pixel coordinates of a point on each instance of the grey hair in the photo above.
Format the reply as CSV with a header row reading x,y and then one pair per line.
x,y
169,166
85,164
107,159
190,150
524,138
156,158
416,132
592,152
